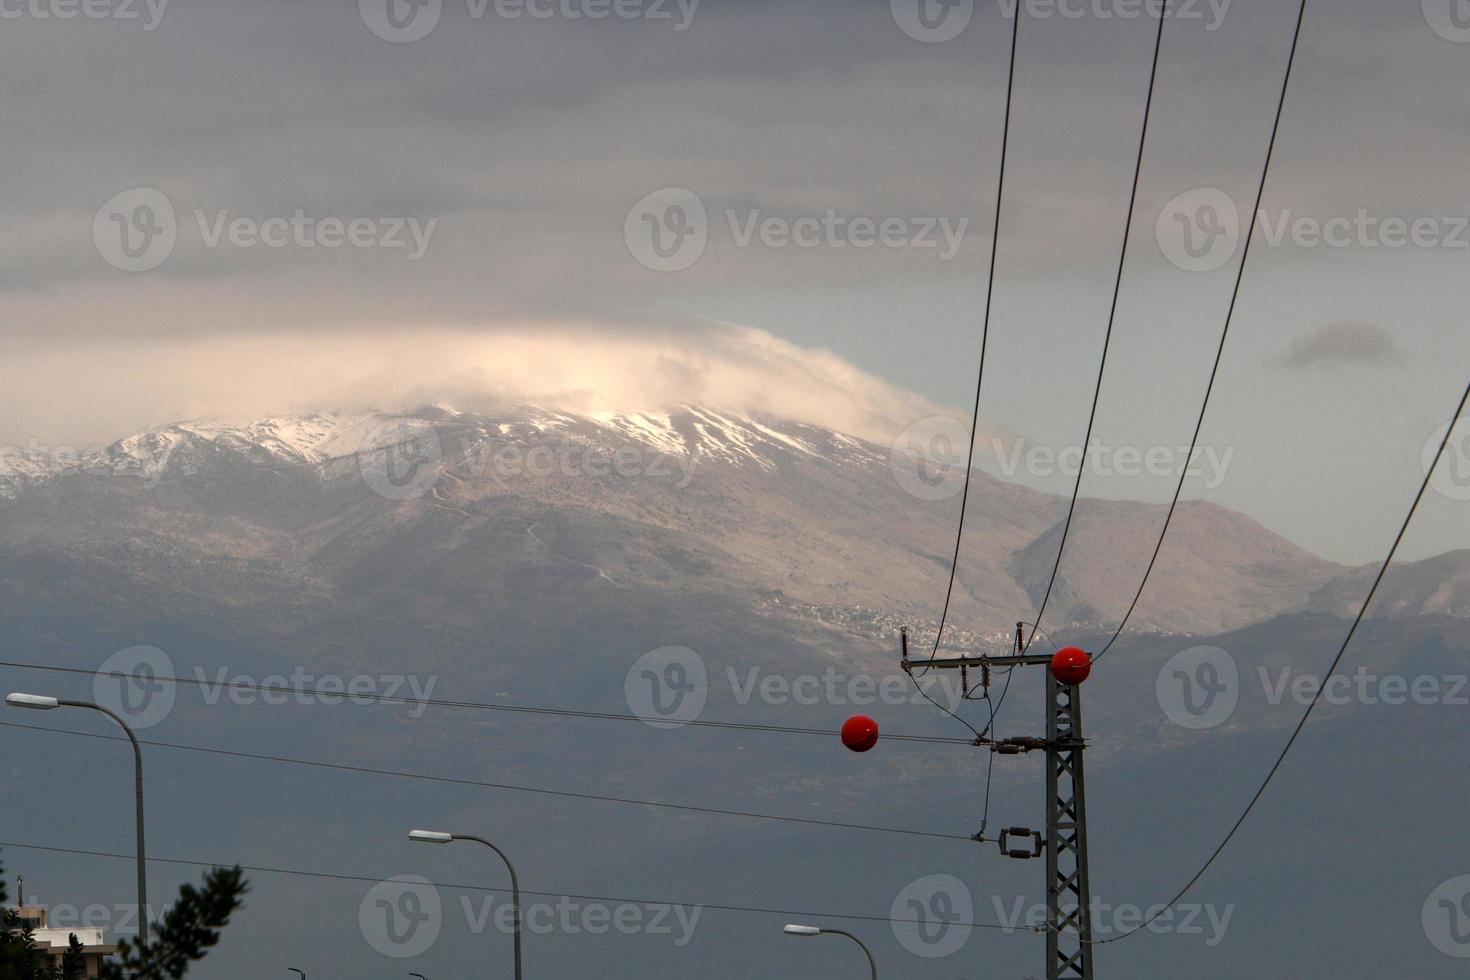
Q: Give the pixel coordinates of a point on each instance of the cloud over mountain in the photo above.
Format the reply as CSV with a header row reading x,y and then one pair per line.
x,y
572,367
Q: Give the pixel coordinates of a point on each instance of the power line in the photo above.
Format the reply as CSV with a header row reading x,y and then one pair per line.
x,y
342,767
1005,141
296,872
1317,696
1112,318
240,685
1224,335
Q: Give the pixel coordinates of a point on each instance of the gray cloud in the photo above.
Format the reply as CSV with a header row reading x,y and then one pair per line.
x,y
1341,344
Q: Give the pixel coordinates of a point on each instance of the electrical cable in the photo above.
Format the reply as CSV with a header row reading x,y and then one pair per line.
x,y
1005,140
1317,696
238,685
609,900
342,767
1112,317
1224,335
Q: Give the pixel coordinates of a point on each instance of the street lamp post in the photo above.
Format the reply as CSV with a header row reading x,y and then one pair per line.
x,y
794,930
438,837
43,703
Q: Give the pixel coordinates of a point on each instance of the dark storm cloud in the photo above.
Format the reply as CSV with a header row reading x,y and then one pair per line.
x,y
530,139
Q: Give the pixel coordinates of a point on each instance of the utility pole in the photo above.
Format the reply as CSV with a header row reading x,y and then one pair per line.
x,y
1068,889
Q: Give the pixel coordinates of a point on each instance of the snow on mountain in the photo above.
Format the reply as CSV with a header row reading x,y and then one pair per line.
x,y
706,434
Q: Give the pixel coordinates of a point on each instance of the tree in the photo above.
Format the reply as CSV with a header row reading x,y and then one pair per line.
x,y
186,934
73,963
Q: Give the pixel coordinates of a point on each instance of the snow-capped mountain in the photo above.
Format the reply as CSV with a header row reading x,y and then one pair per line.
x,y
187,447
694,501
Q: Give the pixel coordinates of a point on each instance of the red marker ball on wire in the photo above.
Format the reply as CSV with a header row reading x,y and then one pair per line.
x,y
859,733
1071,665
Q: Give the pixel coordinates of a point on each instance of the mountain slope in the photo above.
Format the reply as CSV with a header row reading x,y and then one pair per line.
x,y
468,517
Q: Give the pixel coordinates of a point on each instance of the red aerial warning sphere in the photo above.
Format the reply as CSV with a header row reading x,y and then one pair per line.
x,y
860,733
1071,665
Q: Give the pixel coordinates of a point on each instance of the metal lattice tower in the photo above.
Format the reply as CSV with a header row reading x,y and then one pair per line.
x,y
1068,890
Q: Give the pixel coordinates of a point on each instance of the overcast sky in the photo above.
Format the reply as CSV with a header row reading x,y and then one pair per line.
x,y
499,166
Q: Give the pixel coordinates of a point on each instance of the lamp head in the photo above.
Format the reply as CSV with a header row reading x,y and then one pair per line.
x,y
430,836
38,701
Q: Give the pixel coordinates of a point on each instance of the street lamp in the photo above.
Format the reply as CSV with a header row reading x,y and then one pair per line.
x,y
438,837
41,702
299,973
815,931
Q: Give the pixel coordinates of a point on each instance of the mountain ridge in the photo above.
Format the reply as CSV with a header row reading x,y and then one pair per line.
x,y
689,501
